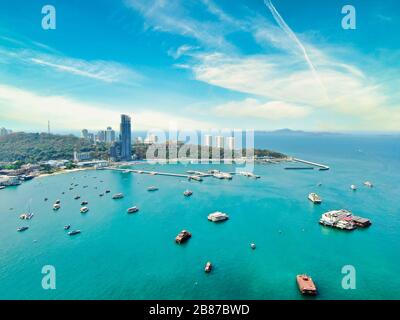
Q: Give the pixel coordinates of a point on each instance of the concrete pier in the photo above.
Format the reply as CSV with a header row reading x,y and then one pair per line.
x,y
318,165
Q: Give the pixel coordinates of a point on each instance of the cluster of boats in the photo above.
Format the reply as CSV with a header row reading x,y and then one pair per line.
x,y
343,219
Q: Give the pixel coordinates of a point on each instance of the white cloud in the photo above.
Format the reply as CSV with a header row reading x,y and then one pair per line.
x,y
33,110
253,108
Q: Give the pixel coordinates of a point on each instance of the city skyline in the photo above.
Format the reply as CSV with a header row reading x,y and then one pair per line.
x,y
254,65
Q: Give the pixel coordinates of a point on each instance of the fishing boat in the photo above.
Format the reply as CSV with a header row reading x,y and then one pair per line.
x,y
84,209
132,209
306,285
118,196
208,267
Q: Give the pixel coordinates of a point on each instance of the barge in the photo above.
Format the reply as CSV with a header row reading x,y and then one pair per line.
x,y
343,219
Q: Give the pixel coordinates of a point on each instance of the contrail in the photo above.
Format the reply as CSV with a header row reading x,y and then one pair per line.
x,y
278,18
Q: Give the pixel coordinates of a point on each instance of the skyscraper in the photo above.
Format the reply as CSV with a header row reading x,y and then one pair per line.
x,y
125,138
110,135
208,140
219,141
85,134
231,143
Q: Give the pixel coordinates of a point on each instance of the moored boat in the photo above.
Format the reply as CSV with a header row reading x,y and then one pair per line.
x,y
67,227
132,209
74,232
208,267
152,188
217,216
187,193
20,229
56,206
183,236
118,196
315,198
84,209
368,184
353,187
306,285
84,203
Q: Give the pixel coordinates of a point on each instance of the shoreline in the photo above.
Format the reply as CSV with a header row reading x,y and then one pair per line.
x,y
63,172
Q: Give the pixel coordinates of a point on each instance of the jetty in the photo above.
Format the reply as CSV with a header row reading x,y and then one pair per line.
x,y
156,173
318,165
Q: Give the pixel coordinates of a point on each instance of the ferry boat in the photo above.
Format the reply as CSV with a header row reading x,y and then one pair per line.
x,y
20,229
353,187
188,193
84,209
133,209
217,216
56,206
314,198
183,236
306,285
152,188
118,196
208,267
26,216
368,184
74,232
67,227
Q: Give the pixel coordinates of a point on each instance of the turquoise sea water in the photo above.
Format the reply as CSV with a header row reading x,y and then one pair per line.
x,y
121,256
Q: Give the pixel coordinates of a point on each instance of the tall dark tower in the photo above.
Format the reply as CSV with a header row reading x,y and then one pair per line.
x,y
125,138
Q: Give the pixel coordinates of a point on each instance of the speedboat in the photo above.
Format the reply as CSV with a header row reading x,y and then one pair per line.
x,y
74,232
22,229
188,193
314,198
133,209
152,188
84,209
56,206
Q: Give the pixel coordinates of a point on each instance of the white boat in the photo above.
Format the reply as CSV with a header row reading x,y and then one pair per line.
x,y
2,187
217,216
84,209
368,184
341,219
26,216
314,198
188,193
152,188
56,206
353,187
118,196
133,209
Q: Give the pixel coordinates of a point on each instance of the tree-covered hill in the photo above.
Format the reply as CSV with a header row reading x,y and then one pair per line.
x,y
34,147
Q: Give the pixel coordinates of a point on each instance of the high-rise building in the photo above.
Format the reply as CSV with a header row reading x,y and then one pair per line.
x,y
101,136
125,138
208,140
230,141
110,135
115,151
151,139
85,134
219,141
90,137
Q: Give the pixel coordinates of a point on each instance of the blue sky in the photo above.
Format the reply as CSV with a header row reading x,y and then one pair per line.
x,y
203,64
